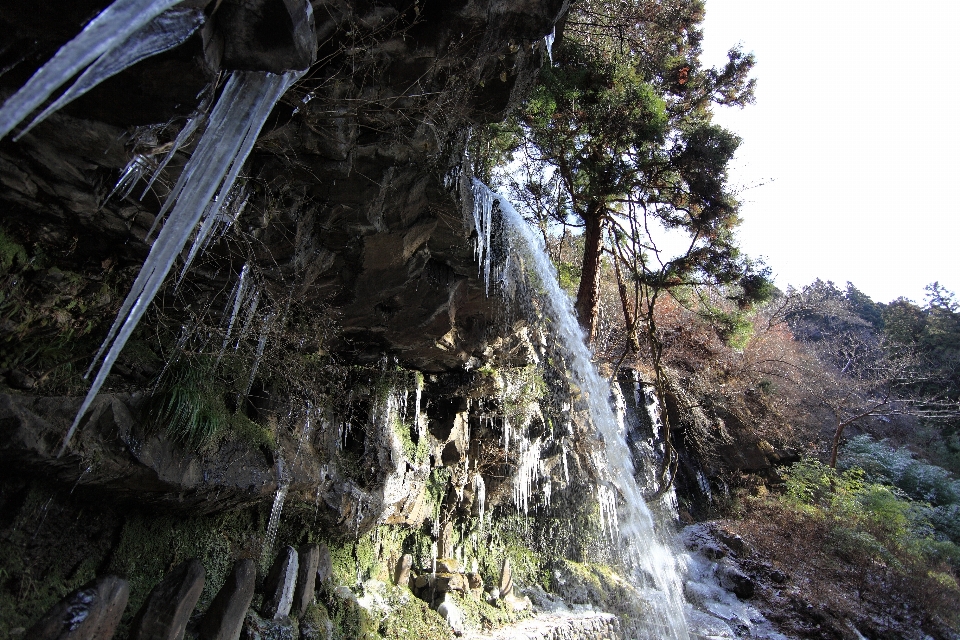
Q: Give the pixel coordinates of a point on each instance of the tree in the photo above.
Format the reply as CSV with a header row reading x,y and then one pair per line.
x,y
621,125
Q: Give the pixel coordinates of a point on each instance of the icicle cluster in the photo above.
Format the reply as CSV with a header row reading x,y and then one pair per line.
x,y
235,123
529,468
123,34
483,223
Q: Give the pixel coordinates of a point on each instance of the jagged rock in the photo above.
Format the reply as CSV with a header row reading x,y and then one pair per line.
x,y
278,587
506,579
309,559
448,565
475,581
324,565
257,628
167,610
401,576
89,613
224,619
734,579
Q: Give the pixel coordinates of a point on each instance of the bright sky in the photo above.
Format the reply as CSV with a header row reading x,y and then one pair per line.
x,y
849,155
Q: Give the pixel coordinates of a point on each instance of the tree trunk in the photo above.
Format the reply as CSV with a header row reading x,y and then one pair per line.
x,y
588,295
835,447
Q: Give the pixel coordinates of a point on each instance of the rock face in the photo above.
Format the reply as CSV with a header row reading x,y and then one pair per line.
x,y
167,610
279,585
89,613
224,619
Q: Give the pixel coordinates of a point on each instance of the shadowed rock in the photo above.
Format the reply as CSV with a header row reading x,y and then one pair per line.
x,y
306,578
401,577
89,613
224,619
279,586
167,610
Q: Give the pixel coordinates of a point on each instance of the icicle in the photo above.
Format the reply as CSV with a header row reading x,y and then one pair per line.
x,y
305,432
549,40
165,32
251,314
267,326
480,492
234,126
129,178
416,406
236,302
482,220
192,125
104,33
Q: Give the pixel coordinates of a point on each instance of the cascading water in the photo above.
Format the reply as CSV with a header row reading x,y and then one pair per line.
x,y
650,556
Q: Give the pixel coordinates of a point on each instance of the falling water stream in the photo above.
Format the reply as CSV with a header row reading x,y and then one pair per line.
x,y
649,555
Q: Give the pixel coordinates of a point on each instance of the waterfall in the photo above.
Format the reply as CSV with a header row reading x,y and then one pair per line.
x,y
649,555
274,523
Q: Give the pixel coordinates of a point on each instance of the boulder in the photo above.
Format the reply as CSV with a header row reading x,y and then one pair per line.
x,y
224,619
166,611
474,581
89,613
309,559
279,585
448,565
452,613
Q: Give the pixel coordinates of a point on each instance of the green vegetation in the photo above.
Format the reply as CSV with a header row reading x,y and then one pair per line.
x,y
868,519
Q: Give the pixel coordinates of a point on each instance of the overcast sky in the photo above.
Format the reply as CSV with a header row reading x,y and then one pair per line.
x,y
849,156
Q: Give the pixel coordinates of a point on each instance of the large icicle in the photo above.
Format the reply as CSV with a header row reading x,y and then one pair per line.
x,y
165,32
235,123
104,33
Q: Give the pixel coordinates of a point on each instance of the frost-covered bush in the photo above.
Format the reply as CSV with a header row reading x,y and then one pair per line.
x,y
884,464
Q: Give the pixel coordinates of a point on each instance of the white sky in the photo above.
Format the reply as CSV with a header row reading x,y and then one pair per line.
x,y
853,139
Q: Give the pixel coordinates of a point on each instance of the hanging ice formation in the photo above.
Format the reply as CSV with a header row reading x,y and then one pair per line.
x,y
234,125
218,217
548,40
633,521
482,220
121,35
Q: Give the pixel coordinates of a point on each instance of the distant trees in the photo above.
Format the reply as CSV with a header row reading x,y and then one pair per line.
x,y
871,360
